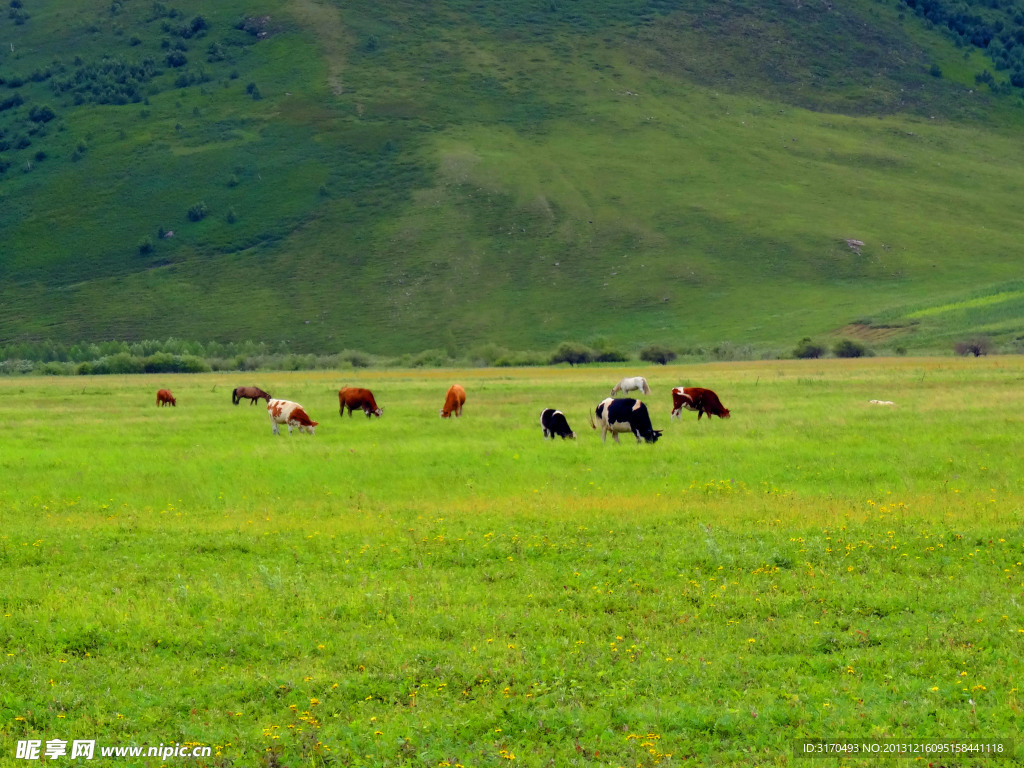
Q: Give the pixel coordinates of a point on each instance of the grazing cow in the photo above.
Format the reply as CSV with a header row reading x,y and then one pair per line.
x,y
555,425
164,397
696,399
453,401
356,397
252,393
629,384
625,415
292,414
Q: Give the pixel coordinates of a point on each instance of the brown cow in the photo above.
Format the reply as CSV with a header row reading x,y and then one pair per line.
x,y
164,397
453,401
252,394
696,399
357,397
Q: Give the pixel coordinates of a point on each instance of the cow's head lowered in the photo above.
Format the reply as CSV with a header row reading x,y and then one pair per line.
x,y
453,401
624,415
292,415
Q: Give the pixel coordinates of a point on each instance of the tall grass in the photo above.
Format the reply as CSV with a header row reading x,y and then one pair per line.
x,y
413,591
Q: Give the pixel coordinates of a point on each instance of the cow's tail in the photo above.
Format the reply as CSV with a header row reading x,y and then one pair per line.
x,y
235,398
592,424
647,389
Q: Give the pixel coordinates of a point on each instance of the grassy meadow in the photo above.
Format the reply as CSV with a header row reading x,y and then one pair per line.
x,y
416,592
519,173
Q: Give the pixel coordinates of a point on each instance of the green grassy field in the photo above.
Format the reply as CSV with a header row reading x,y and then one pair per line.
x,y
416,592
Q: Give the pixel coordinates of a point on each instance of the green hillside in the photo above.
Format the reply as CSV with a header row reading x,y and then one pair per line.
x,y
401,176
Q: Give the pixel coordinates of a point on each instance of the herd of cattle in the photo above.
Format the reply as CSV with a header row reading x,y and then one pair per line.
x,y
615,415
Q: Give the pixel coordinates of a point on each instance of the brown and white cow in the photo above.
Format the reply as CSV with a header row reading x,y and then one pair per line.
x,y
292,414
164,397
697,399
453,401
358,398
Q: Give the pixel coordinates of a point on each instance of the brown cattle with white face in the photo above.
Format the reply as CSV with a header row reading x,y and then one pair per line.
x,y
697,399
453,401
292,414
357,398
164,397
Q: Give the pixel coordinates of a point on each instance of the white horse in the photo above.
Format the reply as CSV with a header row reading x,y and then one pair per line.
x,y
628,384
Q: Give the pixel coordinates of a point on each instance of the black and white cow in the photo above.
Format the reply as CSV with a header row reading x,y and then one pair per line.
x,y
625,415
555,425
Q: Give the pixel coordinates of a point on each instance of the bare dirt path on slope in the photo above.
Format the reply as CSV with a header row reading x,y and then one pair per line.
x,y
323,19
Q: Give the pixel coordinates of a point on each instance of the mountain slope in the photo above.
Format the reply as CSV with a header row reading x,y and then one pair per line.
x,y
405,177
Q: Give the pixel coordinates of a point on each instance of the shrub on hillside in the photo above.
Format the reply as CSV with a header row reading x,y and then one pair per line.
x,y
355,358
977,346
162,362
53,369
42,114
296,362
604,352
430,358
122,362
192,364
657,354
198,212
487,354
849,348
729,351
573,353
611,356
521,359
808,350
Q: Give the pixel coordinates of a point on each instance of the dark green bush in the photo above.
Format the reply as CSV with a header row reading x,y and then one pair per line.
x,y
198,212
573,353
41,114
849,348
657,354
52,369
808,350
611,356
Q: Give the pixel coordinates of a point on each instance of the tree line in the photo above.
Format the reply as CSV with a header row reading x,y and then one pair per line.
x,y
995,26
180,356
